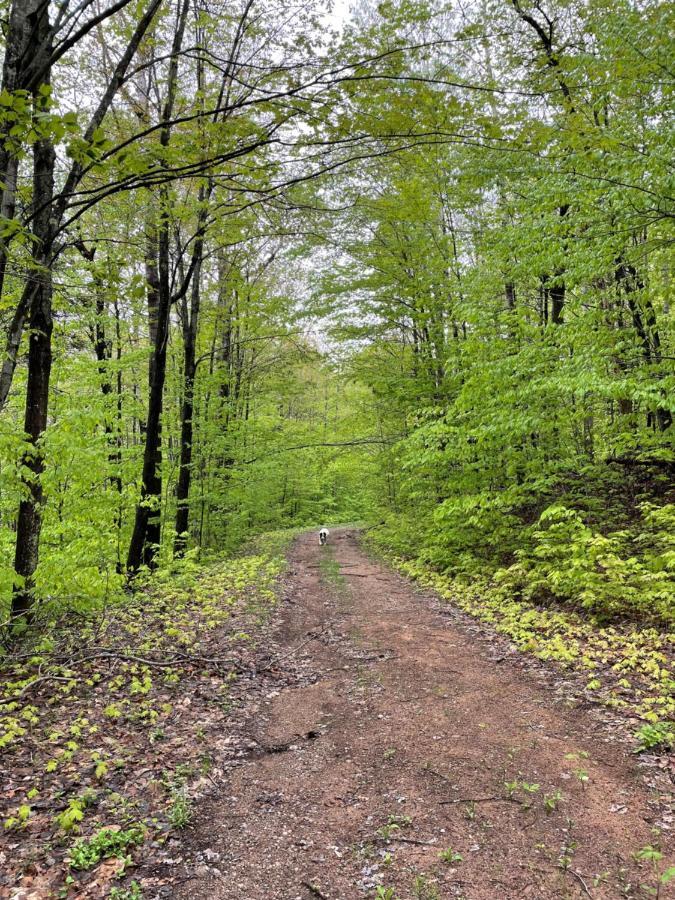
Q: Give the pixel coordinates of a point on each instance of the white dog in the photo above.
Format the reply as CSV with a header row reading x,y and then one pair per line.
x,y
323,536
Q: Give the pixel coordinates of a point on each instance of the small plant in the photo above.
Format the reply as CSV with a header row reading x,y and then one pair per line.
x,y
649,854
423,889
511,787
470,811
386,831
654,856
156,735
385,893
583,777
567,851
529,788
180,812
394,824
20,819
450,856
106,843
133,892
551,801
389,753
657,736
71,816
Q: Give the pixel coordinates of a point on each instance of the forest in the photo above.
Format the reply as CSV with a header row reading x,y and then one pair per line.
x,y
270,266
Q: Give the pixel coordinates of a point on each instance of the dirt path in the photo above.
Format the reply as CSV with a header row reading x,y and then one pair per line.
x,y
400,750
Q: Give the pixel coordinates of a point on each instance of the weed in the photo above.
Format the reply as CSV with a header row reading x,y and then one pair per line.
x,y
516,785
423,889
450,856
529,788
385,893
583,777
394,824
568,848
72,815
133,892
659,736
511,788
386,831
106,843
180,811
650,854
551,801
20,819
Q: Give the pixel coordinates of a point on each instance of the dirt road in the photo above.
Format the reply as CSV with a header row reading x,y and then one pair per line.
x,y
415,741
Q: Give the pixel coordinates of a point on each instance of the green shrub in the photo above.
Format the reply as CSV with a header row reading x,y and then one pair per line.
x,y
106,843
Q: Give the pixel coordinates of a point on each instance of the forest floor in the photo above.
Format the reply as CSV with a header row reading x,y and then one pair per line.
x,y
408,752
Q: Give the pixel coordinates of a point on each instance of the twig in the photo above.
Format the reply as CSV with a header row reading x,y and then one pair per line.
x,y
15,697
439,775
407,840
582,882
313,889
292,652
121,656
481,800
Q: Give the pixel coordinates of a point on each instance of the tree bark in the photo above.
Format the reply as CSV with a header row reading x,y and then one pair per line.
x,y
29,522
146,535
646,329
190,327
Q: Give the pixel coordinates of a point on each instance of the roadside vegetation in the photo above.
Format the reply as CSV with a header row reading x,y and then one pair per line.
x,y
265,267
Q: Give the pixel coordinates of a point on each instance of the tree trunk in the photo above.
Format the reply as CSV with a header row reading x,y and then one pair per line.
x,y
29,522
190,327
645,325
147,524
146,535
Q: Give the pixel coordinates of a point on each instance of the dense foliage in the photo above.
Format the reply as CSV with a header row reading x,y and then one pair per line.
x,y
511,273
413,271
264,266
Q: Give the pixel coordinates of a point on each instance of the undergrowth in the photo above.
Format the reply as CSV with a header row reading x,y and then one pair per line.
x,y
88,704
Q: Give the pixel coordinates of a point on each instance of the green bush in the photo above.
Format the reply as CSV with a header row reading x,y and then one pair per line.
x,y
571,562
